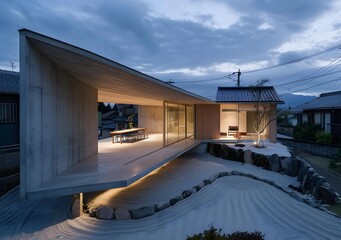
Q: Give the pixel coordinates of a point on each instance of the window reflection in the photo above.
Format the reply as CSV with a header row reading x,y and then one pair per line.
x,y
179,122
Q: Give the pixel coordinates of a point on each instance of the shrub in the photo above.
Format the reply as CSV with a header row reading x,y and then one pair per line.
x,y
215,234
306,131
323,137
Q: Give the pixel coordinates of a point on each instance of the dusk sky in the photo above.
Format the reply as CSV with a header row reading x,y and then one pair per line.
x,y
196,44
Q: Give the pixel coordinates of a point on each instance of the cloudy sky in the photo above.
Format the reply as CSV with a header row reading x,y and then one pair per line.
x,y
197,44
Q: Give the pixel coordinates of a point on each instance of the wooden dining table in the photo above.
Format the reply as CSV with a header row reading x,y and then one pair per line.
x,y
123,132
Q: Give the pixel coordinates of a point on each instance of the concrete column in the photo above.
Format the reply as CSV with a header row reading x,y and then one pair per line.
x,y
77,205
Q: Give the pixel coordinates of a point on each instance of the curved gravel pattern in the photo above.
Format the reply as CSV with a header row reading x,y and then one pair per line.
x,y
233,203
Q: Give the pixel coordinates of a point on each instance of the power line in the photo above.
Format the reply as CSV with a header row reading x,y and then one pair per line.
x,y
202,80
294,83
296,60
334,80
265,68
313,75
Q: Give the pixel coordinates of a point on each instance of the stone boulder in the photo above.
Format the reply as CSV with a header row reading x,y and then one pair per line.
x,y
224,152
122,214
214,149
207,182
173,201
247,156
186,193
160,206
307,181
275,163
290,166
260,160
235,155
105,213
92,211
303,170
328,195
142,212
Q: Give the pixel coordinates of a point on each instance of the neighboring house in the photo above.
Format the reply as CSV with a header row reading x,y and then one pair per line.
x,y
127,115
61,87
121,117
238,109
324,111
9,108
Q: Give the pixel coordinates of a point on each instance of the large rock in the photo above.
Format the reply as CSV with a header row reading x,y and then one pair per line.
x,y
92,210
307,181
224,151
328,195
260,160
214,149
186,193
235,155
76,210
247,156
142,212
173,201
160,206
274,162
105,213
290,166
122,214
303,170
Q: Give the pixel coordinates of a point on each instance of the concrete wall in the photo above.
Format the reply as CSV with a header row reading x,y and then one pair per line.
x,y
326,150
58,119
207,121
151,117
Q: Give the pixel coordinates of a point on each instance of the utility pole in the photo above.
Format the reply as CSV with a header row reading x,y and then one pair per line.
x,y
12,65
239,73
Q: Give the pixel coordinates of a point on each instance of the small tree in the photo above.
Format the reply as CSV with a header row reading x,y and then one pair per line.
x,y
262,111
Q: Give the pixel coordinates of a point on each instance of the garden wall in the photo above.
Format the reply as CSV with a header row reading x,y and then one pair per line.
x,y
326,150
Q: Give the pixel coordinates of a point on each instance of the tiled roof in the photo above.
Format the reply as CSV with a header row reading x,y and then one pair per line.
x,y
248,94
324,101
9,82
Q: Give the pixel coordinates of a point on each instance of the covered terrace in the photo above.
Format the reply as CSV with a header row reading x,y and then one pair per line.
x,y
60,86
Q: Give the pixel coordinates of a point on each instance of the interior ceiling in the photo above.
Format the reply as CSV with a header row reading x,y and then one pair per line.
x,y
115,83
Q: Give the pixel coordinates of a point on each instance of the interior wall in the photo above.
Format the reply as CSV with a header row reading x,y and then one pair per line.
x,y
207,121
151,117
232,117
58,120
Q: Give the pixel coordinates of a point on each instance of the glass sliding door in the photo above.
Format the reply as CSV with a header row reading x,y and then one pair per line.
x,y
189,120
179,122
182,122
172,123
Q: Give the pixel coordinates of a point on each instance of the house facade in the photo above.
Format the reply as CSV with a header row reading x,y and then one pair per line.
x,y
248,110
60,87
324,111
9,108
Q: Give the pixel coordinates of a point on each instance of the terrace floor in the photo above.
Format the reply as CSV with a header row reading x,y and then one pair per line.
x,y
116,165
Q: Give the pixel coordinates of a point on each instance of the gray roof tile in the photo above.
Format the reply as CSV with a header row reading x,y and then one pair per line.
x,y
9,82
324,101
248,94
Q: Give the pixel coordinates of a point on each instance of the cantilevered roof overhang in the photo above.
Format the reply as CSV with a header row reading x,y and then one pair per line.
x,y
115,82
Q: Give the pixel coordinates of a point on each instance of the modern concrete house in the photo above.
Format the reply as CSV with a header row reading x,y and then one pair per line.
x,y
60,86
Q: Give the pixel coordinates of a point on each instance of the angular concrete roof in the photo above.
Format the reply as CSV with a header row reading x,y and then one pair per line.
x,y
331,100
115,82
265,94
9,82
